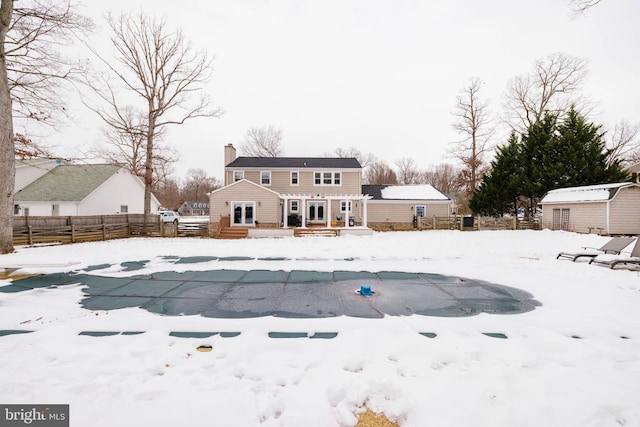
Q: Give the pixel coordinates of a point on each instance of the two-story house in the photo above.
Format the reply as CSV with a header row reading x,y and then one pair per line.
x,y
281,192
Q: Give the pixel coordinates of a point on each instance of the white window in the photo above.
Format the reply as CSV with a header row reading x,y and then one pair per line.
x,y
327,178
265,177
124,208
344,204
238,175
55,210
294,206
295,178
421,211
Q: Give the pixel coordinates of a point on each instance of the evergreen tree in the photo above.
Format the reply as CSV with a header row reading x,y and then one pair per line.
x,y
585,155
539,147
500,189
550,155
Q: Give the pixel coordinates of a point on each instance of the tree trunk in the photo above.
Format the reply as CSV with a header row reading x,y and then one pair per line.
x,y
148,170
7,157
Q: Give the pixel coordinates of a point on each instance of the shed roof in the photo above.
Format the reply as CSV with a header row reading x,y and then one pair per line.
x,y
67,183
587,193
404,192
296,162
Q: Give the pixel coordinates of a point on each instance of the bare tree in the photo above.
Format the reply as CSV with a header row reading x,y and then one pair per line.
x,y
7,159
265,141
31,76
125,143
552,86
444,177
161,69
167,191
198,184
408,172
473,121
624,143
365,159
37,71
380,173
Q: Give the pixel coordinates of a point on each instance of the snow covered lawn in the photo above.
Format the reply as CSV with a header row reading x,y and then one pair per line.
x,y
574,361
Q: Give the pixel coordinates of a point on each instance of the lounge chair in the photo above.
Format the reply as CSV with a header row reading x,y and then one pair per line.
x,y
613,246
623,258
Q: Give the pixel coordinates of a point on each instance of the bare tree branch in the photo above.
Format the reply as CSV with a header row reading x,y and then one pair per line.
x,y
380,173
265,141
551,86
579,7
624,143
163,72
474,123
36,70
408,172
365,159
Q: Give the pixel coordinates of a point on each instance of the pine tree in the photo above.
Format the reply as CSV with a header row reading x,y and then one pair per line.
x,y
550,155
499,191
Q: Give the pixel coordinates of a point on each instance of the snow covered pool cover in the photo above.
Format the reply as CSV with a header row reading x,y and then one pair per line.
x,y
295,294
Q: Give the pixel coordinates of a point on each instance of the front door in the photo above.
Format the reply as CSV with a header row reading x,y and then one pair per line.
x,y
243,214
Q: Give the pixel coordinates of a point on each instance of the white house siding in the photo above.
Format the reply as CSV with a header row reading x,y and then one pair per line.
x,y
588,217
121,189
625,211
65,208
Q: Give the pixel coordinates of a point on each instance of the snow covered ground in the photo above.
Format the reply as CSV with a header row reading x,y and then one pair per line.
x,y
573,361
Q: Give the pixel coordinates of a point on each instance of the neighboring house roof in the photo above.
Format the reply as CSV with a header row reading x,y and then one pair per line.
x,y
588,193
36,161
404,192
67,183
296,163
194,205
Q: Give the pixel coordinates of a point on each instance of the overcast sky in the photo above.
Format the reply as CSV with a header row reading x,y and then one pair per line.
x,y
378,75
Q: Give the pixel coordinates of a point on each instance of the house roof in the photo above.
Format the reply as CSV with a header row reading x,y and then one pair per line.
x,y
67,183
587,193
36,161
404,192
296,162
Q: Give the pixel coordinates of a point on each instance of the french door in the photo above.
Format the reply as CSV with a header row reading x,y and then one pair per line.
x,y
243,214
316,211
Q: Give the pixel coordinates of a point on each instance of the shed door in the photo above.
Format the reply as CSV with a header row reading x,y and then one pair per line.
x,y
561,219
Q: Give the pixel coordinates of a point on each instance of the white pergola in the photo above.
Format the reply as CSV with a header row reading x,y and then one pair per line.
x,y
304,198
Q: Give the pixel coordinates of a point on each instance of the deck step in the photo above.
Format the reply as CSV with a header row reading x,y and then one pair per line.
x,y
233,233
301,232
